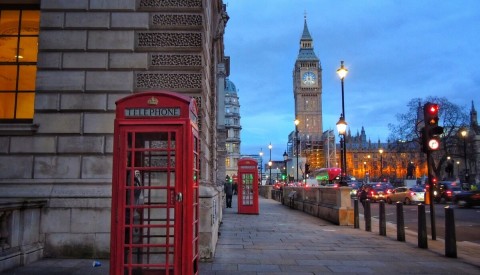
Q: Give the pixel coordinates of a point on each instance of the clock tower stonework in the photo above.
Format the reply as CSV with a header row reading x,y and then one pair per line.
x,y
307,92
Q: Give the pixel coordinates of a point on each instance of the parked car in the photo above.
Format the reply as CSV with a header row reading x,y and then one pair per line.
x,y
467,198
407,195
446,191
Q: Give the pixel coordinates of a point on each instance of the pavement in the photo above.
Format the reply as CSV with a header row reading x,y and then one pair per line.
x,y
281,240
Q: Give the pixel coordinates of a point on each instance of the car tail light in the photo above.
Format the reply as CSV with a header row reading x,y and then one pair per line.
x,y
412,194
449,193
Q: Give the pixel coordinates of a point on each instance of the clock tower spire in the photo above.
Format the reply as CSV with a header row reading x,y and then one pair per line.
x,y
307,93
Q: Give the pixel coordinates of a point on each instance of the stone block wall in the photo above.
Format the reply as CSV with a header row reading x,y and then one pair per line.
x,y
329,203
92,53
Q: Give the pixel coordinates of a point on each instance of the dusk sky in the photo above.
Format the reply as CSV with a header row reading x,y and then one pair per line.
x,y
394,50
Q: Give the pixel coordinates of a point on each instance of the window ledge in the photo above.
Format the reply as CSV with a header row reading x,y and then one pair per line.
x,y
18,129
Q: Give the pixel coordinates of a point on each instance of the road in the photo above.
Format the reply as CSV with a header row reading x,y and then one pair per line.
x,y
467,220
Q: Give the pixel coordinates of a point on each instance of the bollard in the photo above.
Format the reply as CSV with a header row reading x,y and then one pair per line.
x,y
422,227
356,223
383,222
450,237
368,216
400,223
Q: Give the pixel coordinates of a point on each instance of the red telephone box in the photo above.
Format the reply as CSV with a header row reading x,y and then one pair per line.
x,y
247,186
155,199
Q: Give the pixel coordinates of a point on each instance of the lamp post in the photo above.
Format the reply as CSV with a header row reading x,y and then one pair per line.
x,y
285,158
270,164
297,142
342,73
464,134
364,170
381,162
261,165
458,169
342,127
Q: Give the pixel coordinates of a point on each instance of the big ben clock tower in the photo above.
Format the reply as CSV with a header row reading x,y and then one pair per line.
x,y
307,92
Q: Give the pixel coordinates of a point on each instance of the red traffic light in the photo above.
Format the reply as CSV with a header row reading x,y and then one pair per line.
x,y
430,113
432,108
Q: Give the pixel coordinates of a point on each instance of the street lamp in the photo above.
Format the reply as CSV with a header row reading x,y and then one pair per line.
x,y
342,128
381,162
297,142
261,165
270,163
458,169
364,170
342,73
285,158
464,134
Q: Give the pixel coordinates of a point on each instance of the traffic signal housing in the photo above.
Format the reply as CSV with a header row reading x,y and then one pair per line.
x,y
431,132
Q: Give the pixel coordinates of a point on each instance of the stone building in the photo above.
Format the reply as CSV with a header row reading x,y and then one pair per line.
x,y
63,65
233,128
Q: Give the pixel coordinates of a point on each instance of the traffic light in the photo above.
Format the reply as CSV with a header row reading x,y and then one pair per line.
x,y
431,132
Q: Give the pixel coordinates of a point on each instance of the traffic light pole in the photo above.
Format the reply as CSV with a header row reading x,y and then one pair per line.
x,y
430,194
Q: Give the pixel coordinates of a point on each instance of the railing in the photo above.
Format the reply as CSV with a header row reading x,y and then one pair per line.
x,y
20,240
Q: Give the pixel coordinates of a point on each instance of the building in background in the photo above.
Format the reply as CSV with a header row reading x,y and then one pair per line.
x,y
233,128
307,93
63,65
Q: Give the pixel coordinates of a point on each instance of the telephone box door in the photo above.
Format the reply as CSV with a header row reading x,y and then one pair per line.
x,y
154,226
247,186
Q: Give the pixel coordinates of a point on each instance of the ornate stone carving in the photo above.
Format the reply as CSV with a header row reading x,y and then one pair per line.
x,y
162,39
170,3
168,81
168,20
158,60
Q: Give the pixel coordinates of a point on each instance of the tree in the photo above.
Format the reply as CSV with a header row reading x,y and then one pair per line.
x,y
452,118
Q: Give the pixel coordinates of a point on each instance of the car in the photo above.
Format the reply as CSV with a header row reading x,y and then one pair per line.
x,y
467,198
446,191
407,195
354,185
376,193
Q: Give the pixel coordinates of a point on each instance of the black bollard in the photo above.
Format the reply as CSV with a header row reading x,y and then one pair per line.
x,y
422,227
450,237
368,216
383,222
356,223
400,223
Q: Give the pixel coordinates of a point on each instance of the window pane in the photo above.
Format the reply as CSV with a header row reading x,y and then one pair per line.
x,y
7,102
8,78
9,22
26,78
28,49
25,105
8,50
30,21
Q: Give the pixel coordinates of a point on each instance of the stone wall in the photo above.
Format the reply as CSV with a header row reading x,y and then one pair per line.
x,y
90,54
329,203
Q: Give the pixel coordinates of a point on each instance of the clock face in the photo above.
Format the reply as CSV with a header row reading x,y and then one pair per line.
x,y
309,78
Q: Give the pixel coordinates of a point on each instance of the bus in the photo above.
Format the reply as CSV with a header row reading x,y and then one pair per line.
x,y
326,176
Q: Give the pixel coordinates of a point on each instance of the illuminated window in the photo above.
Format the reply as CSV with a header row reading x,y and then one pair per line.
x,y
18,63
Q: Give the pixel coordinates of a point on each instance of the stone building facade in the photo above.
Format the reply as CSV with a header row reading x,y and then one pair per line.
x,y
92,53
233,128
